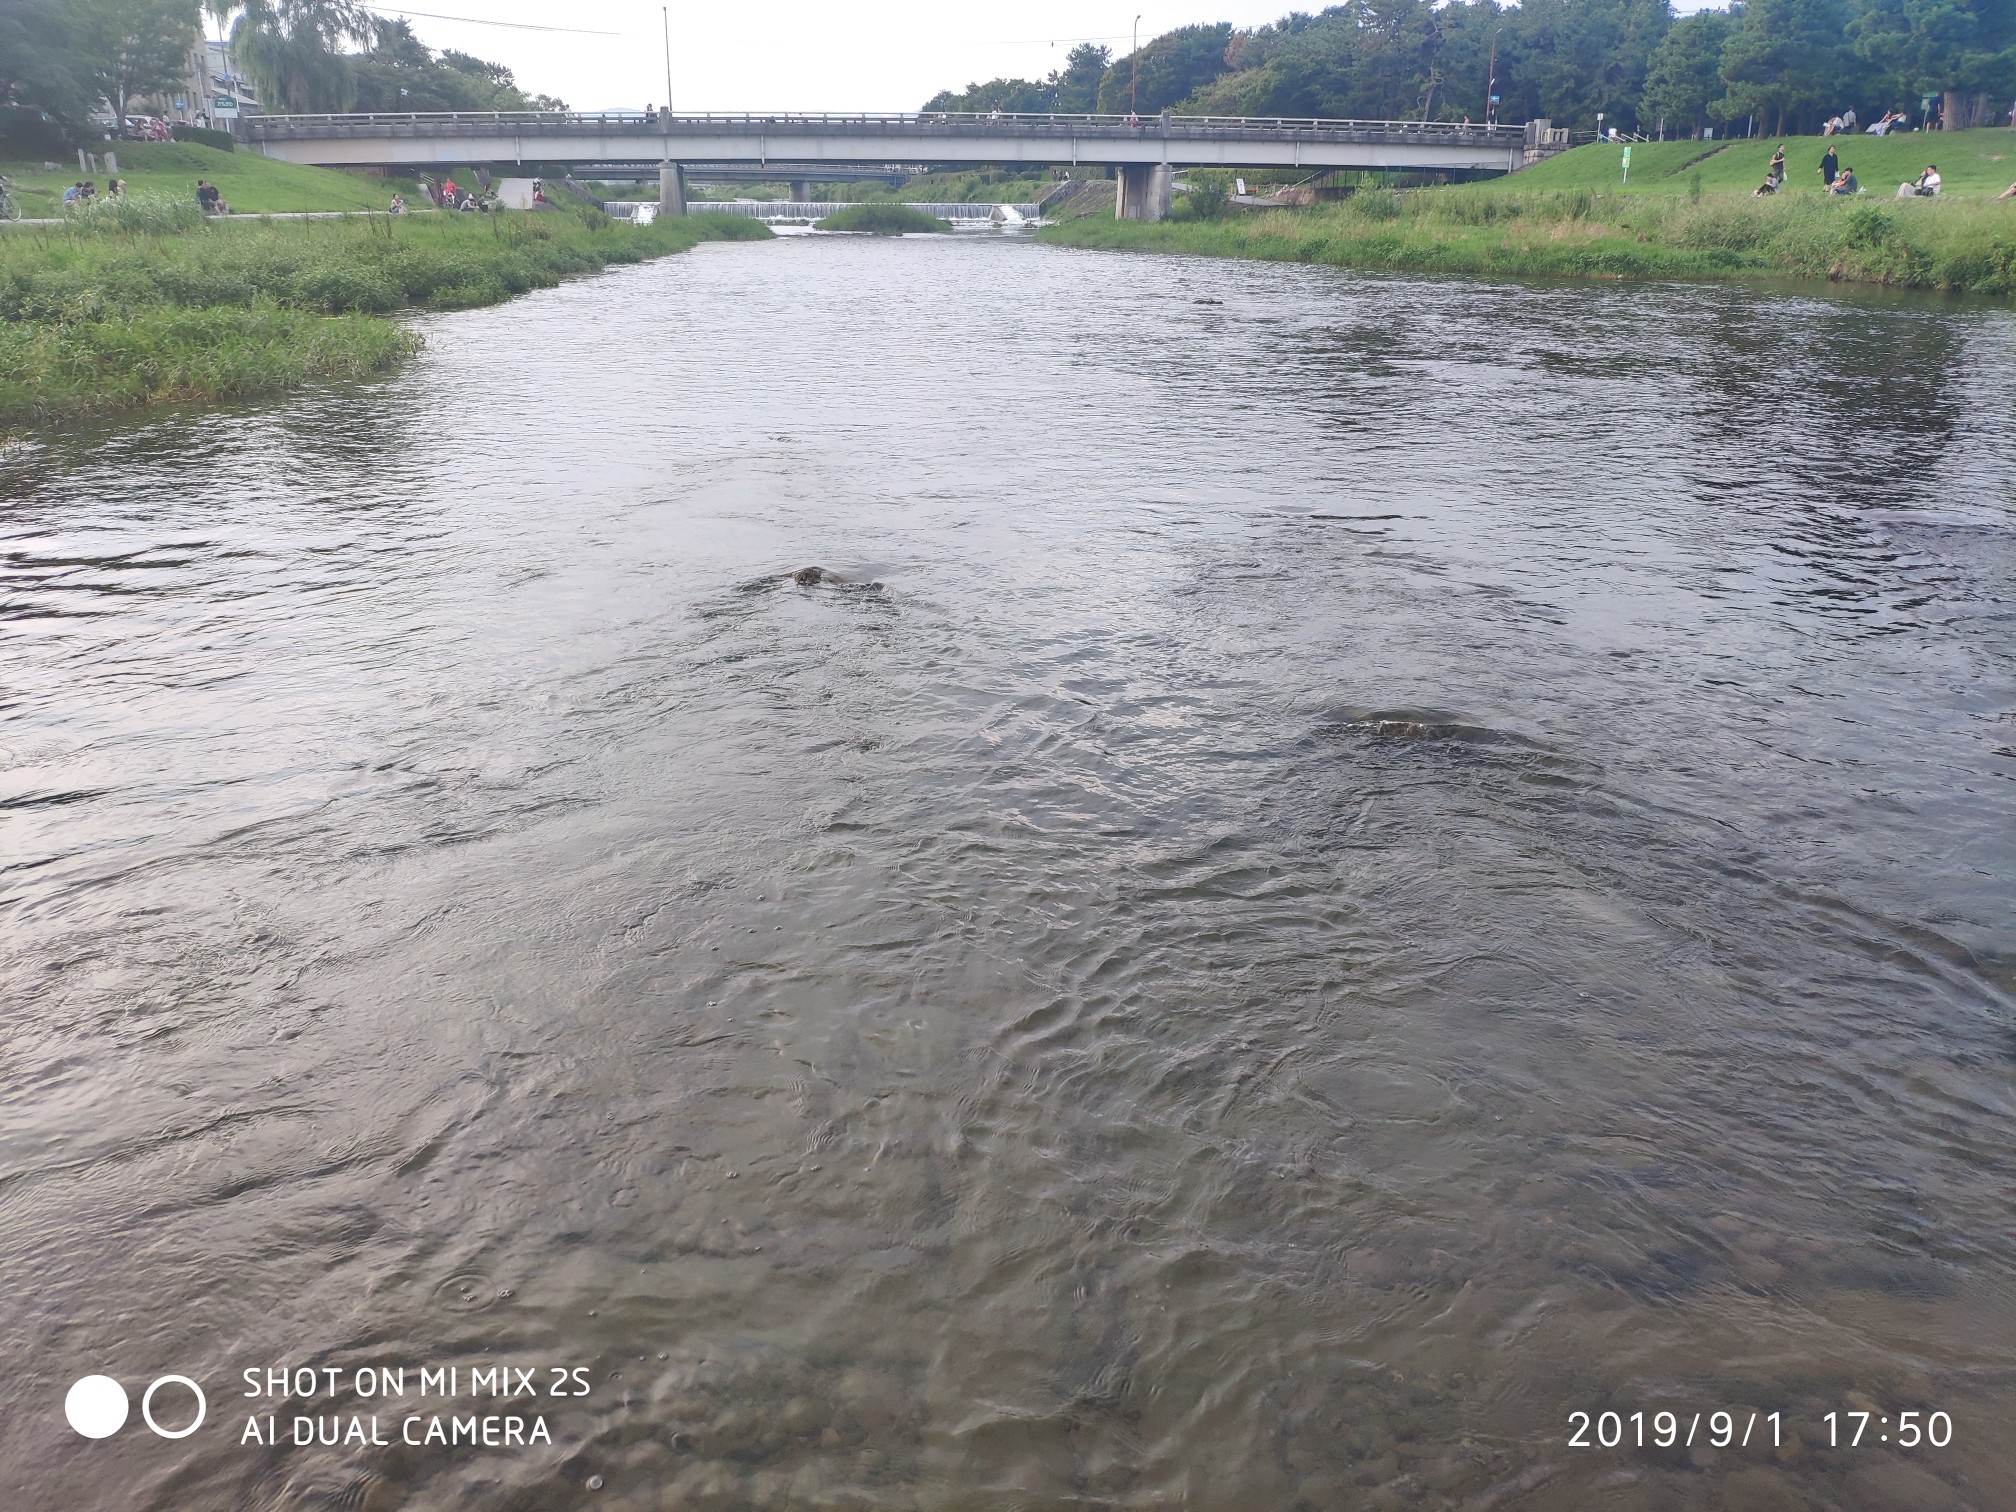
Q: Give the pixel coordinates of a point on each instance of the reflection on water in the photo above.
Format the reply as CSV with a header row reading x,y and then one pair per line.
x,y
1392,861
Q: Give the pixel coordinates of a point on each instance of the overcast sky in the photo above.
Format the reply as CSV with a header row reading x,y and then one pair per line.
x,y
798,54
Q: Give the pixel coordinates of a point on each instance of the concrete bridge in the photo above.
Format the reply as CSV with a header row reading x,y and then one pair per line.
x,y
1145,151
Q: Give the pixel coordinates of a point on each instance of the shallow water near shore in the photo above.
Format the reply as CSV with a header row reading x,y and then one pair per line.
x,y
1386,861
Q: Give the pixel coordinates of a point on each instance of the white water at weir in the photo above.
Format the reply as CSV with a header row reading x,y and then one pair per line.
x,y
945,210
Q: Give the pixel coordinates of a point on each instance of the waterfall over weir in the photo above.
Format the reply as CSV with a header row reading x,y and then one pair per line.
x,y
789,210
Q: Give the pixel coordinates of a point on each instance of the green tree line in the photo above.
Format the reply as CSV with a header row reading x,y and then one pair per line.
x,y
64,59
1782,65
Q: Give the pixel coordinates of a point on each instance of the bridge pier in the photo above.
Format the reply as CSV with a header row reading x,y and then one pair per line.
x,y
1145,191
671,189
801,190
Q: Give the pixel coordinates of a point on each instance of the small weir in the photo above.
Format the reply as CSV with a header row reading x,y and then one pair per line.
x,y
788,210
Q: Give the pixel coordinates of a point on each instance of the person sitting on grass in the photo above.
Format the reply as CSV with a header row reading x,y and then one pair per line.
x,y
2009,193
398,205
1846,184
1926,185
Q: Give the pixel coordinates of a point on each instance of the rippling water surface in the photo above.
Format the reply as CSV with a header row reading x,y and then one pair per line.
x,y
1388,861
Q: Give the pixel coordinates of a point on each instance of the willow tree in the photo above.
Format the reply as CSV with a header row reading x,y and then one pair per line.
x,y
294,49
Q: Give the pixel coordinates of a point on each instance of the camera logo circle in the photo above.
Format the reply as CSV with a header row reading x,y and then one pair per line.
x,y
147,1407
97,1406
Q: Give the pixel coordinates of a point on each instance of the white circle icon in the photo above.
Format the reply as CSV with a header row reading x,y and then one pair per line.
x,y
97,1406
147,1407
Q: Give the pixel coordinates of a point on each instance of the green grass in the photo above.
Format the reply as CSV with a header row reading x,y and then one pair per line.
x,y
249,183
1481,230
73,369
1973,164
95,321
880,218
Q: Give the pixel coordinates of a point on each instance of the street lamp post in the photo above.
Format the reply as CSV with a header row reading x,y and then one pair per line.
x,y
1134,71
665,12
1491,82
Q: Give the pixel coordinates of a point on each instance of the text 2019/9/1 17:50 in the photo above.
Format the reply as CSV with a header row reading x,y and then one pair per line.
x,y
1724,1429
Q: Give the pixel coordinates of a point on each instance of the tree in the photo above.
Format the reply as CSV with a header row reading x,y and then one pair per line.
x,y
1959,48
1791,57
400,72
997,94
294,49
1174,65
1078,84
139,47
1684,79
45,69
1570,60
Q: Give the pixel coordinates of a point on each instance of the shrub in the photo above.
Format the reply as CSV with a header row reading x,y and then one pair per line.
x,y
203,136
880,220
1865,226
1209,198
337,288
134,215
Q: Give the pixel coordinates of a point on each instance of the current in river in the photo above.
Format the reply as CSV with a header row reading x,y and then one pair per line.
x,y
1344,882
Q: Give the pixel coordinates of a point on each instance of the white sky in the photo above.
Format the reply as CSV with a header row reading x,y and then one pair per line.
x,y
801,54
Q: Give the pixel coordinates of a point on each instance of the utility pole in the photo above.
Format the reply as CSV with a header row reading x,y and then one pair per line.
x,y
1491,83
1134,71
671,176
665,11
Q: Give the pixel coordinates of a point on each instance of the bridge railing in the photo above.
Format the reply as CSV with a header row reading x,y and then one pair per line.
x,y
922,124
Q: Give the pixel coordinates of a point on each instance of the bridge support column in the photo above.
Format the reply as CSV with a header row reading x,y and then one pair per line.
x,y
801,190
671,189
1145,191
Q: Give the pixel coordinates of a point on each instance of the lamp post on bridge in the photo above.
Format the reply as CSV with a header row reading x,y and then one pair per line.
x,y
671,177
1491,82
1134,74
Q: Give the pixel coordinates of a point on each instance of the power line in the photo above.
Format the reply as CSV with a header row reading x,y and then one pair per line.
x,y
1053,41
401,13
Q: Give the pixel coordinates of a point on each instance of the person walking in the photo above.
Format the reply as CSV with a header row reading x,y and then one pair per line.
x,y
1777,173
1829,166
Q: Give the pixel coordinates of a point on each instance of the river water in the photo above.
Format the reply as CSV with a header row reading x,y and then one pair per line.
x,y
1364,865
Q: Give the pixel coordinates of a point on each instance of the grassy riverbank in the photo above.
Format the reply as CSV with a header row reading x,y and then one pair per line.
x,y
1491,231
249,183
1974,165
92,323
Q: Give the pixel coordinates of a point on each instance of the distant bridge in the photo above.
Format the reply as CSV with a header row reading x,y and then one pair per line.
x,y
1146,151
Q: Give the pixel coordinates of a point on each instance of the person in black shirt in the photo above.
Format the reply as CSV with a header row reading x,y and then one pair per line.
x,y
1828,165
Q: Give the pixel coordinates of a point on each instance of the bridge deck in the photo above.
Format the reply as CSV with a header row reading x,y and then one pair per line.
x,y
947,137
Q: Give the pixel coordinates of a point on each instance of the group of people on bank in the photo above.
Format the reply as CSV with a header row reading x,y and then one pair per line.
x,y
1837,179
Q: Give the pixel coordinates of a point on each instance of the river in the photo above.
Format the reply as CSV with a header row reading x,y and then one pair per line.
x,y
1360,866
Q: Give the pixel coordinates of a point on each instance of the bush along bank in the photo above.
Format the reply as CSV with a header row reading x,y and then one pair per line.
x,y
880,218
139,305
1958,246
